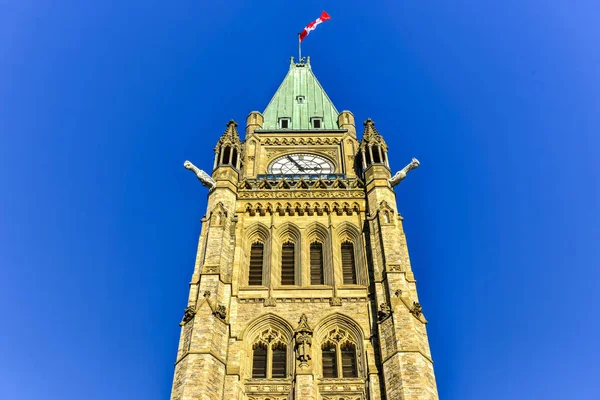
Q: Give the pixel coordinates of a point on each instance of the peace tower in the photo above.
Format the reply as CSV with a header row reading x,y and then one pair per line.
x,y
302,287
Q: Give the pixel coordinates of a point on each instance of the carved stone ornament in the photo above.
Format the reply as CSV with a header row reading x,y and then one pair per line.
x,y
202,176
188,315
417,310
398,176
303,337
335,301
220,312
270,302
384,312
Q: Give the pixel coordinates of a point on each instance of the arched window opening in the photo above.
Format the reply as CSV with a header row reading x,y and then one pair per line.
x,y
288,264
348,263
349,369
255,274
259,361
386,217
376,154
316,264
226,153
234,157
279,363
368,155
329,359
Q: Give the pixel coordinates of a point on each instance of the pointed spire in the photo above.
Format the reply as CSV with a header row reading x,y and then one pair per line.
x,y
230,136
371,135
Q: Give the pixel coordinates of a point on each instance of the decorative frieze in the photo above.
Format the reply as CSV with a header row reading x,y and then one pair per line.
x,y
306,208
271,302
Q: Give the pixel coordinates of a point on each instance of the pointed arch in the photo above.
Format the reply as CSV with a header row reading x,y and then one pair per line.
x,y
351,265
287,253
341,339
317,233
268,341
256,250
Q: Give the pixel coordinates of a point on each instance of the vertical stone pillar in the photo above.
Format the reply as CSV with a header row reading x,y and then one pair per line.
x,y
349,143
304,387
407,366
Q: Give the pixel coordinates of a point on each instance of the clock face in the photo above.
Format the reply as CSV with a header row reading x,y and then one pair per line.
x,y
293,164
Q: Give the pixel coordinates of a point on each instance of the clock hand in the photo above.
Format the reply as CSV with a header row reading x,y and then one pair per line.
x,y
294,161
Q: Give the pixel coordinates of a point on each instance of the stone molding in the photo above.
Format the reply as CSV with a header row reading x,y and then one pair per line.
x,y
306,208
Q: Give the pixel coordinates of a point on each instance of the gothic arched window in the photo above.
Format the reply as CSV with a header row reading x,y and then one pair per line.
x,y
255,274
348,263
329,360
339,356
288,263
259,361
376,154
349,369
279,361
316,264
270,355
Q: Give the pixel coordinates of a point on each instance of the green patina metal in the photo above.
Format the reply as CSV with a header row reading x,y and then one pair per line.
x,y
287,102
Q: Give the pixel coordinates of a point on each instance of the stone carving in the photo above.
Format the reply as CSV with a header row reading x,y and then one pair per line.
x,y
398,293
394,268
417,310
286,141
270,336
394,180
188,315
210,269
307,208
220,312
303,337
335,301
384,312
338,335
206,180
270,302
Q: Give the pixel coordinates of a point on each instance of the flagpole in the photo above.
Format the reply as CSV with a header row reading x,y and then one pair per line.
x,y
299,49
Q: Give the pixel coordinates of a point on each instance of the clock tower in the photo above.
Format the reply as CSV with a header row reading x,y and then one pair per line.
x,y
302,286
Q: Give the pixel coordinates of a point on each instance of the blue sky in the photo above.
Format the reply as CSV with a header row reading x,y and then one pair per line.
x,y
101,102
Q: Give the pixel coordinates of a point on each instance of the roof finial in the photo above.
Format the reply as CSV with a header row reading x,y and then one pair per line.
x,y
292,60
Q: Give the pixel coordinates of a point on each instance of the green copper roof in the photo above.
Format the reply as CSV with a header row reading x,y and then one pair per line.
x,y
288,102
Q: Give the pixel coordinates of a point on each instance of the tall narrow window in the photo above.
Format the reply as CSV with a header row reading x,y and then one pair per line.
x,y
256,265
316,264
259,361
349,361
287,264
348,265
376,154
234,158
226,154
329,357
279,361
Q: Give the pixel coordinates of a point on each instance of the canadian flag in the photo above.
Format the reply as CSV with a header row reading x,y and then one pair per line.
x,y
313,25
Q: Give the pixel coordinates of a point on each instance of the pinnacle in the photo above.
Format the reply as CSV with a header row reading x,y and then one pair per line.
x,y
230,136
370,134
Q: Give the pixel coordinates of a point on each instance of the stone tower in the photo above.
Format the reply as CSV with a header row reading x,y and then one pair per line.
x,y
302,287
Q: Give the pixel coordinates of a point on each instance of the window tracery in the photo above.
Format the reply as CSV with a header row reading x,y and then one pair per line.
x,y
270,355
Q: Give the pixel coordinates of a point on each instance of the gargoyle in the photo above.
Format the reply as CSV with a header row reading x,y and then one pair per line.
x,y
188,315
394,180
384,312
202,176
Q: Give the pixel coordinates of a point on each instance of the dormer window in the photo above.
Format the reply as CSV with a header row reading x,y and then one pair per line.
x,y
285,123
316,122
300,99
